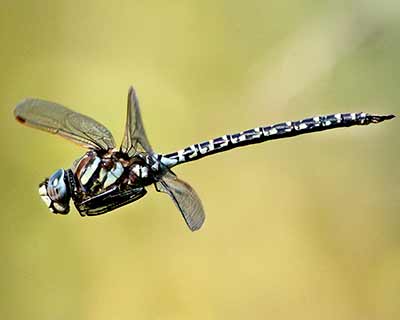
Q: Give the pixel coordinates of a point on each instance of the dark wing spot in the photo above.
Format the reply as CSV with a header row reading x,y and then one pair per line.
x,y
20,119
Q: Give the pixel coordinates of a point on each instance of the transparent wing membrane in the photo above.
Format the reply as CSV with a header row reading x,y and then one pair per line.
x,y
57,119
184,197
135,138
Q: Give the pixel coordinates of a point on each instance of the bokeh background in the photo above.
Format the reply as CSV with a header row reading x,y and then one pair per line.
x,y
303,228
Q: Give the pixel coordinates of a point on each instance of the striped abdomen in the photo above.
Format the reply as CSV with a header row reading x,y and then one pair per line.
x,y
261,134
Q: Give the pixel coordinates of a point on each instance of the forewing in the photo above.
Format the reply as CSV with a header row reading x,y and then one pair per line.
x,y
185,198
135,138
57,119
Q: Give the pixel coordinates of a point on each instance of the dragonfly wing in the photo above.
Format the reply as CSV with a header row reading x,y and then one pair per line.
x,y
184,197
57,119
135,138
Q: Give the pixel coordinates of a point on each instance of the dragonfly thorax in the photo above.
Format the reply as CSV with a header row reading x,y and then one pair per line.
x,y
95,173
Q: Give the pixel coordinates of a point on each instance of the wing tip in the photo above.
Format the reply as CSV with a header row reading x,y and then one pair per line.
x,y
195,226
132,97
20,108
131,90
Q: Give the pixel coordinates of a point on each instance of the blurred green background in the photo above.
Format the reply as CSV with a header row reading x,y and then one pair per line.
x,y
304,228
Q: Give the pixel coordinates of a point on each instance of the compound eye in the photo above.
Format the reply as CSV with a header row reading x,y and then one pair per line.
x,y
56,187
55,192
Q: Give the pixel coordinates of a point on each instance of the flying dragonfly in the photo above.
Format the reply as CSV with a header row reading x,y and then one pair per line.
x,y
106,178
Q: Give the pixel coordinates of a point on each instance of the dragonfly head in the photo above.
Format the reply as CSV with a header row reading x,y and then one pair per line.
x,y
55,192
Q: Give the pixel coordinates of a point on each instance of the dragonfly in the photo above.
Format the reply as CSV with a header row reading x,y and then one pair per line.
x,y
106,177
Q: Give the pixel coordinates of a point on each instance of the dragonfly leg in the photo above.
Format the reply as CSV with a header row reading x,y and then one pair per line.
x,y
108,200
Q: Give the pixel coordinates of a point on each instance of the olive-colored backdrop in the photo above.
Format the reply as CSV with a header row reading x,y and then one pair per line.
x,y
304,228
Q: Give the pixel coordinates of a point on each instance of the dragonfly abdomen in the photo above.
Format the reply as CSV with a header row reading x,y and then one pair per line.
x,y
262,134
